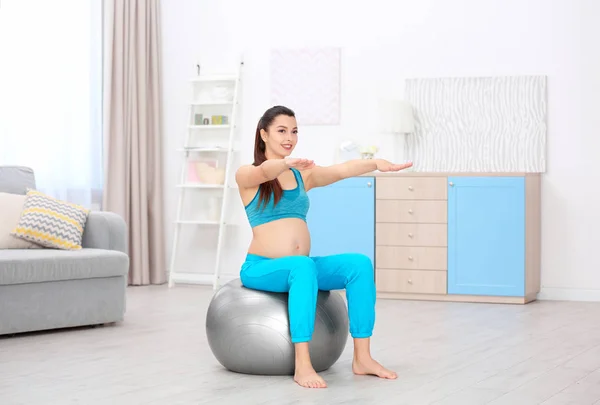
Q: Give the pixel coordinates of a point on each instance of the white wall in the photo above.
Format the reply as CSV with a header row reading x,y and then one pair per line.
x,y
384,43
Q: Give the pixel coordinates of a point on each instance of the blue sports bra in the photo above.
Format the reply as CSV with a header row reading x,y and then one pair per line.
x,y
293,204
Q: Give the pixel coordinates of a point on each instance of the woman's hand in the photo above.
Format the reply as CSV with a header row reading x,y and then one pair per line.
x,y
300,164
385,166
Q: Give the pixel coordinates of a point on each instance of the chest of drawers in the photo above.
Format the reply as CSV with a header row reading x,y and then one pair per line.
x,y
411,241
458,237
437,236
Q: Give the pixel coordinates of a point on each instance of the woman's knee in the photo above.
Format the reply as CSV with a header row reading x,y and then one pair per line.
x,y
302,268
361,264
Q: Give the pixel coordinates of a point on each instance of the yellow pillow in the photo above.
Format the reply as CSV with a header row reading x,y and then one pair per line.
x,y
50,222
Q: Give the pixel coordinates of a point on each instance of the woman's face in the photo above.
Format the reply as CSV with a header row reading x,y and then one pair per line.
x,y
281,137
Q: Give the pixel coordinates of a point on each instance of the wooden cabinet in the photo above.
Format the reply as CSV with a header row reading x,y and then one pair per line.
x,y
411,235
486,236
436,236
458,237
341,218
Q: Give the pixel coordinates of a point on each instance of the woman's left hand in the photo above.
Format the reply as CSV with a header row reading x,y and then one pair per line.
x,y
385,166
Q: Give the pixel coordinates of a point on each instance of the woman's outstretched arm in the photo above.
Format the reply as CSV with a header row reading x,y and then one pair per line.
x,y
249,176
320,176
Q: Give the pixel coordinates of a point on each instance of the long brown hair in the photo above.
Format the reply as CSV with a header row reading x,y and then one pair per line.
x,y
271,187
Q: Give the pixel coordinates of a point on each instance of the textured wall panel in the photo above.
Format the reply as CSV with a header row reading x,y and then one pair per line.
x,y
308,82
495,124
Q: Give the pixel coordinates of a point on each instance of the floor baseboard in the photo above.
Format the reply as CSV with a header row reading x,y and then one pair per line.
x,y
568,294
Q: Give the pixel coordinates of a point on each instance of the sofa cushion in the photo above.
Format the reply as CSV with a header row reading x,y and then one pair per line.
x,y
11,206
50,222
42,265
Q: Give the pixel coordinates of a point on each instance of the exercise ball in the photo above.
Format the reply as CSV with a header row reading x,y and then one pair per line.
x,y
248,330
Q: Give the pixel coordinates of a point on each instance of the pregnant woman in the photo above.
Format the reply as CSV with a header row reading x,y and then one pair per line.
x,y
273,191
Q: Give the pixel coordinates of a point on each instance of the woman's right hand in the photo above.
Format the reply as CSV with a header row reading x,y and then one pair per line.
x,y
299,163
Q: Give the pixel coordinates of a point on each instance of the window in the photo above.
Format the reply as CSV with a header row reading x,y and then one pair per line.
x,y
51,94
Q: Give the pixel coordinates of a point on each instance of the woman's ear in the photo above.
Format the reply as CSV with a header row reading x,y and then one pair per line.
x,y
263,135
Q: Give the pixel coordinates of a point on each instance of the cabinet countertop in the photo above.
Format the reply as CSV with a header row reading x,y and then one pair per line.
x,y
444,174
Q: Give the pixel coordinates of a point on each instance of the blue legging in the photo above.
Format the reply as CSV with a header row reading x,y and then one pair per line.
x,y
303,276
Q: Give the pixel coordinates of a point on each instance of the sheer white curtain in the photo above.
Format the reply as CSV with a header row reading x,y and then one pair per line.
x,y
51,94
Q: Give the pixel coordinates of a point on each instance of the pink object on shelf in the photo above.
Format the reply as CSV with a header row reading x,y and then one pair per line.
x,y
192,175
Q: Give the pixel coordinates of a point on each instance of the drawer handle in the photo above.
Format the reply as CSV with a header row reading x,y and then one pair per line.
x,y
410,212
369,184
410,258
409,281
451,184
410,188
410,235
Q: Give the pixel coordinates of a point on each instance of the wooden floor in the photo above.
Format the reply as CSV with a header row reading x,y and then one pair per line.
x,y
445,353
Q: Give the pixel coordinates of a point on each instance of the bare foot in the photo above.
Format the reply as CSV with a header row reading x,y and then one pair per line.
x,y
369,366
308,377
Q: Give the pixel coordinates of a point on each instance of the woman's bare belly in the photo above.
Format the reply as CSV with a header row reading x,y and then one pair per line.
x,y
280,238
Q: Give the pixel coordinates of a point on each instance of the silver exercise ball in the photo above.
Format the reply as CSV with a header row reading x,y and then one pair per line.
x,y
248,330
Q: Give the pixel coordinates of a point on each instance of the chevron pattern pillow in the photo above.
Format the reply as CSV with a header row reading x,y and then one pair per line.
x,y
50,222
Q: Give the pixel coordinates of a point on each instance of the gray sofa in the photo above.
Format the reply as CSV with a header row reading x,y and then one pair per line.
x,y
43,289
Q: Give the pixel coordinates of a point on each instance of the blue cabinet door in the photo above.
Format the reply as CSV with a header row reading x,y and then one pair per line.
x,y
341,218
486,236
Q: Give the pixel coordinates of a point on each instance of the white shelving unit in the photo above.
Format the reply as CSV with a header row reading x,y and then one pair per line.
x,y
214,95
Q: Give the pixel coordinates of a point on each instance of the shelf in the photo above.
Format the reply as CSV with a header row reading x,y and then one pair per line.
x,y
201,222
197,222
203,149
214,78
207,127
209,103
215,97
192,185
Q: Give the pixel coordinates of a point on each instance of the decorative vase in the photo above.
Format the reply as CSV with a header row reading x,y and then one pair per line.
x,y
368,152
